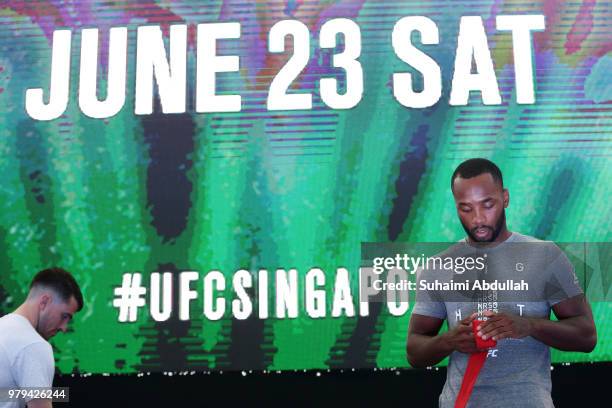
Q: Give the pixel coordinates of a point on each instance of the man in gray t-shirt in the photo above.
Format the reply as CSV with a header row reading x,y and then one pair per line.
x,y
516,372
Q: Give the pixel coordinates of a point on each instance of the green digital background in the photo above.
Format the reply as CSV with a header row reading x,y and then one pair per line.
x,y
288,189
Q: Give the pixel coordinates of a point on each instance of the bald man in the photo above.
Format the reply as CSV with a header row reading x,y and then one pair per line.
x,y
516,372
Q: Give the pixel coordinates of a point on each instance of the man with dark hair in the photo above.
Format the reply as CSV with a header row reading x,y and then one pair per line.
x,y
482,172
516,370
26,357
475,167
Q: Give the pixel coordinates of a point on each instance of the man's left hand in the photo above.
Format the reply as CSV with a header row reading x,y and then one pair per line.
x,y
501,325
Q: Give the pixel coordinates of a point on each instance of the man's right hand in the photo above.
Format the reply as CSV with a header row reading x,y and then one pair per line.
x,y
461,338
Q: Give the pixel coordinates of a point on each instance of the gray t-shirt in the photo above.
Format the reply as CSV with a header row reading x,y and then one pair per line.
x,y
517,371
26,359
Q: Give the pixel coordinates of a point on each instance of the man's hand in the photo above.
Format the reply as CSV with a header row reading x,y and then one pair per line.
x,y
501,325
461,338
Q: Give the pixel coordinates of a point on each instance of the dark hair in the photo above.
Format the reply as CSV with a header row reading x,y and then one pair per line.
x,y
61,282
475,167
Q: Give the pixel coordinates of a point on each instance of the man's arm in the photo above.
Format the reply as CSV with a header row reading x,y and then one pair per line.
x,y
40,403
425,347
574,330
33,368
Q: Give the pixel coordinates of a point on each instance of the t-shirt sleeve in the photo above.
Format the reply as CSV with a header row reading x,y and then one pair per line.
x,y
427,302
34,366
563,282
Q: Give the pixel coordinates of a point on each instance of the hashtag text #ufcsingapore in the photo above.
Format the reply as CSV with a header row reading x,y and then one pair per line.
x,y
264,293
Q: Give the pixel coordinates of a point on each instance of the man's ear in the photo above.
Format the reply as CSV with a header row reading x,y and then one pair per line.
x,y
44,301
506,198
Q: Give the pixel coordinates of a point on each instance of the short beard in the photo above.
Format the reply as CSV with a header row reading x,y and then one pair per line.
x,y
496,230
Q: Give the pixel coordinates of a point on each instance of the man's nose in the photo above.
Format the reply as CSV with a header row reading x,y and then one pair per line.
x,y
479,217
64,327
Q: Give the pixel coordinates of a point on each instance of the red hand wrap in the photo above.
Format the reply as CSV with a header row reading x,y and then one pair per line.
x,y
475,363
